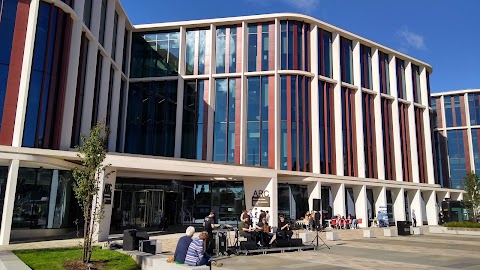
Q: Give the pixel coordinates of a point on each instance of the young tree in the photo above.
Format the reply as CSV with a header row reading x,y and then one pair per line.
x,y
87,180
471,199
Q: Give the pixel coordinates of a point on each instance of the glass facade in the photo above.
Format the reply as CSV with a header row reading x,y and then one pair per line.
x,y
229,49
401,88
7,27
110,92
474,108
80,91
388,142
151,118
295,123
154,54
295,45
114,38
346,60
369,137
442,171
417,92
366,64
327,128
293,201
422,155
195,118
197,46
226,136
44,199
97,89
260,119
103,18
384,73
405,142
87,12
325,53
458,157
454,111
3,185
349,132
476,149
48,78
261,46
121,113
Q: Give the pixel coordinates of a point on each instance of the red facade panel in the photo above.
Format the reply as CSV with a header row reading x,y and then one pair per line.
x,y
239,48
271,47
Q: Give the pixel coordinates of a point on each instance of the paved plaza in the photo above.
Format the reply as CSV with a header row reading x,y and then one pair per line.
x,y
352,251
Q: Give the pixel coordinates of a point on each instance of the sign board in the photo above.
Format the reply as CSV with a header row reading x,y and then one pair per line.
x,y
261,198
107,194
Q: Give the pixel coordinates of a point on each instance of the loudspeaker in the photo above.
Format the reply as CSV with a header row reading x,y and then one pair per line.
x,y
318,220
296,242
317,205
148,246
129,239
282,242
248,245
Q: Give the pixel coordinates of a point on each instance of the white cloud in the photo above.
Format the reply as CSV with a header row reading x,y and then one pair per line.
x,y
410,39
306,6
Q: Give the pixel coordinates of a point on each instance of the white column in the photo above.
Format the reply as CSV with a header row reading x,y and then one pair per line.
x,y
95,19
469,133
89,88
243,101
25,75
102,228
263,187
378,115
273,188
426,128
278,116
411,123
398,199
52,200
360,195
70,93
9,202
337,97
380,197
180,91
109,22
315,147
416,199
431,207
338,192
210,40
395,122
358,109
314,192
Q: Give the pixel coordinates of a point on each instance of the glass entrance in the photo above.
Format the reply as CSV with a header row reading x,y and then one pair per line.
x,y
147,208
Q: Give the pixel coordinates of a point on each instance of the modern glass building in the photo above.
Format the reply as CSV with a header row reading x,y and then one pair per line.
x,y
267,112
456,134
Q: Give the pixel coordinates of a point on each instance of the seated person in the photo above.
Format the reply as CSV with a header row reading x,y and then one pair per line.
x,y
338,221
265,236
284,228
182,245
196,254
244,230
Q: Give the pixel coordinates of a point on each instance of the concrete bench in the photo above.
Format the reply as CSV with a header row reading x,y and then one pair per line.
x,y
418,230
332,236
369,233
306,237
390,232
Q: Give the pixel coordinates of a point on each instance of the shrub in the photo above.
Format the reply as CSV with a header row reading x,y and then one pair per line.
x,y
464,224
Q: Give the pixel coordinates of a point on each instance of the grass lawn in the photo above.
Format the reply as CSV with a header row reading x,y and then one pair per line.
x,y
54,259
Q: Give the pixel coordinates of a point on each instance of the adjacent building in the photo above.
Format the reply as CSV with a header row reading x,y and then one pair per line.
x,y
266,112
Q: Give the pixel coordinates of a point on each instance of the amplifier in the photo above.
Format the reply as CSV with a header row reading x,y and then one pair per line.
x,y
296,242
248,245
148,246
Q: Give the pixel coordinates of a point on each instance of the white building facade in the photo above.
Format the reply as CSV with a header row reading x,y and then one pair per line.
x,y
265,112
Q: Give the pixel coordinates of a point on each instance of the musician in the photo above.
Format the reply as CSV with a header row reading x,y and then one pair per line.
x,y
208,226
264,230
244,230
285,230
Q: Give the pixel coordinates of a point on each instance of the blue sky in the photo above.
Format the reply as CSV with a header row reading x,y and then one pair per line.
x,y
445,34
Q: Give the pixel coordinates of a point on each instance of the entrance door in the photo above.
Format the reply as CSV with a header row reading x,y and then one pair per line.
x,y
147,208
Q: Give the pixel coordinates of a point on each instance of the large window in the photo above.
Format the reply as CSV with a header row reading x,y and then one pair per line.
x,y
295,123
109,97
326,119
405,142
44,199
417,93
325,53
260,119
401,88
80,90
3,185
114,38
474,107
369,136
458,156
476,149
261,51
103,18
97,89
384,73
125,50
388,142
454,111
229,49
295,41
366,64
47,87
151,118
154,54
121,113
349,128
197,46
422,155
346,60
195,118
441,169
87,12
226,145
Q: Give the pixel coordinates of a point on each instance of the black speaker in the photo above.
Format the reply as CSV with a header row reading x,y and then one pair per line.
x,y
282,242
129,239
148,246
248,245
296,242
317,205
318,220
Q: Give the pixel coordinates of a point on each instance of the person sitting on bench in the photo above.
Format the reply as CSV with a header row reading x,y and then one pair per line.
x,y
284,227
182,245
